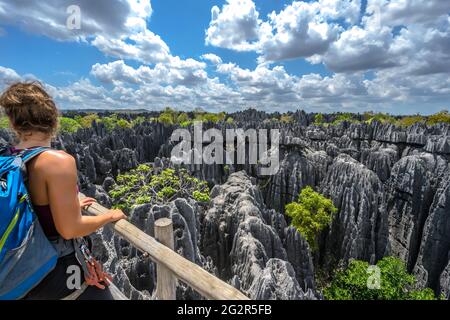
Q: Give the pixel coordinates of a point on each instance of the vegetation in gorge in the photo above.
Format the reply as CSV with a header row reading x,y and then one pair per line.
x,y
360,282
310,214
146,185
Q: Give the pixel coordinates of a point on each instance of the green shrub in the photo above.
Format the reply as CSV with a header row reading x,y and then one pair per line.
x,y
68,125
86,121
318,119
137,121
380,117
144,185
230,120
285,118
395,283
311,214
200,196
410,120
168,116
440,117
122,123
112,122
109,122
183,118
348,117
210,117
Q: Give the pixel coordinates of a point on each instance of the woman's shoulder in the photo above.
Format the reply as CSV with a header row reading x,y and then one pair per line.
x,y
55,160
57,155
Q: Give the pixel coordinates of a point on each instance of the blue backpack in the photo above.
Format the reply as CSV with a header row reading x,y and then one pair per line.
x,y
26,255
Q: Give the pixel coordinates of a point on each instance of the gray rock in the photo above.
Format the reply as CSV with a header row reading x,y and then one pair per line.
x,y
410,191
445,282
434,255
243,246
359,230
277,282
438,145
299,255
297,170
380,160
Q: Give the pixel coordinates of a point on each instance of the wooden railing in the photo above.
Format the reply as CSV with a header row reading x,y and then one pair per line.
x,y
170,265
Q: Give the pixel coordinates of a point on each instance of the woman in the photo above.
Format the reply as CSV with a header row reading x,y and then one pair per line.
x,y
52,186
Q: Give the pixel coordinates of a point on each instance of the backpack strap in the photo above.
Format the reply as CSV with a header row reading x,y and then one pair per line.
x,y
29,154
26,155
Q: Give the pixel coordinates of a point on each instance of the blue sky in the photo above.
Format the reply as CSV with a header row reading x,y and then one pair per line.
x,y
318,55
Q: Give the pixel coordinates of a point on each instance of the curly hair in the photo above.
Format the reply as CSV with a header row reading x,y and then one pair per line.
x,y
30,108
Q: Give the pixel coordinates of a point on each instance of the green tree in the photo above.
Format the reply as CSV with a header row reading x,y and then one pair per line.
x,y
285,118
137,121
318,119
109,122
311,214
183,117
221,116
68,125
122,123
168,116
380,117
410,120
348,117
112,122
86,121
183,120
394,283
440,117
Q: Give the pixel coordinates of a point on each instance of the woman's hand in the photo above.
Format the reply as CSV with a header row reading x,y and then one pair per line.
x,y
113,214
116,215
86,202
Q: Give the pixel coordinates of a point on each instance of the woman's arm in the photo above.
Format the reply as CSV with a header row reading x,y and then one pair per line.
x,y
61,180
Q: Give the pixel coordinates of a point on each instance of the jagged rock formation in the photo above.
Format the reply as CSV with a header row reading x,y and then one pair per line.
x,y
410,192
432,266
445,282
359,229
298,169
299,255
390,185
135,273
275,283
246,249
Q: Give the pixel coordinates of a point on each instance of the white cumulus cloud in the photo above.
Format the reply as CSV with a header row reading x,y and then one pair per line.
x,y
235,26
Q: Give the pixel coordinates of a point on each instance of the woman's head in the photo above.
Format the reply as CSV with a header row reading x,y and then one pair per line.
x,y
30,109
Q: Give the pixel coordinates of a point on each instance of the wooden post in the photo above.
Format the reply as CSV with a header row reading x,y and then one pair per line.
x,y
165,280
